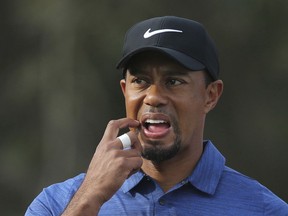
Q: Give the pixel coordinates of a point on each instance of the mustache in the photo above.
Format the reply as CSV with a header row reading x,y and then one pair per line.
x,y
160,110
155,110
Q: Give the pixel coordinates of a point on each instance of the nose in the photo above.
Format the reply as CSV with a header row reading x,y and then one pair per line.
x,y
155,96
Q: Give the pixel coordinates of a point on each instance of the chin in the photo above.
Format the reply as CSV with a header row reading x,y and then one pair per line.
x,y
158,152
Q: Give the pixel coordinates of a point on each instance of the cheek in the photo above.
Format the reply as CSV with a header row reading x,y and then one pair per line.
x,y
190,112
188,105
133,105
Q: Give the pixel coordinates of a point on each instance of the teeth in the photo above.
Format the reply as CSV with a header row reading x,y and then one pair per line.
x,y
153,121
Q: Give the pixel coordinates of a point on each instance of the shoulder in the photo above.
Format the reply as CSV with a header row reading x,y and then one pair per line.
x,y
64,189
53,199
251,192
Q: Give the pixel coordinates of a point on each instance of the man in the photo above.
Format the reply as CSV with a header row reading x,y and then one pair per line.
x,y
162,166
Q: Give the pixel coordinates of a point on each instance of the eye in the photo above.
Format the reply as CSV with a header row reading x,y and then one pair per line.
x,y
173,82
139,82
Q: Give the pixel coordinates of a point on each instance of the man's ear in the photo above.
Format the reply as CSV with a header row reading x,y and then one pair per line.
x,y
123,86
214,91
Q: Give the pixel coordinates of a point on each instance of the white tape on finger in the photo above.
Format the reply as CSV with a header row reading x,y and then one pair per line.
x,y
125,140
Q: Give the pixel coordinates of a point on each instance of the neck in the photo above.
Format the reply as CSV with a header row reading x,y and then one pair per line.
x,y
170,172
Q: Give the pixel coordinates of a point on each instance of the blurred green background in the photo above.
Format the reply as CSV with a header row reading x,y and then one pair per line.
x,y
59,86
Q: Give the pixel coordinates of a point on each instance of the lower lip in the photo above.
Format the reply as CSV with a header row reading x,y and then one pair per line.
x,y
156,135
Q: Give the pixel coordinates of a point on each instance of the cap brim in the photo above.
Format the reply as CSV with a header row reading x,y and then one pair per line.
x,y
181,58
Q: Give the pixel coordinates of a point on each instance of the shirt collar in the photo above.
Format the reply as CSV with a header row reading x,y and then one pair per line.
x,y
205,176
132,181
208,170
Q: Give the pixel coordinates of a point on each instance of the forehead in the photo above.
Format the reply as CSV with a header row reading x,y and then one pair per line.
x,y
151,59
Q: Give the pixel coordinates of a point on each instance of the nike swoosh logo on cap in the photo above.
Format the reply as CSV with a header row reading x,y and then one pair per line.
x,y
148,34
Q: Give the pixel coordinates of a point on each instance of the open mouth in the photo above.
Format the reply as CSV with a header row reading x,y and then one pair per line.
x,y
155,126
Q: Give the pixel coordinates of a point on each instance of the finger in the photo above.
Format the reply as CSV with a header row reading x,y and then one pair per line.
x,y
125,140
134,164
114,126
135,143
129,153
129,140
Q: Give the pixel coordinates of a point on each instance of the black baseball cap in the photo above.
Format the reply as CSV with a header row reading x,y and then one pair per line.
x,y
184,40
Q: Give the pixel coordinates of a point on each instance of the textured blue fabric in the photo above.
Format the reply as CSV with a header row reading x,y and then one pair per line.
x,y
212,189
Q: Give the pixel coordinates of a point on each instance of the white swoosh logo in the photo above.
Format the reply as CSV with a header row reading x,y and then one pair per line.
x,y
150,34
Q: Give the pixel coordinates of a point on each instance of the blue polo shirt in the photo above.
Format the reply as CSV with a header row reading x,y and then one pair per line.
x,y
212,189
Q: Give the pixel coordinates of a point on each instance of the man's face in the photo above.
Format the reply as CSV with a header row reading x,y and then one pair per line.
x,y
169,101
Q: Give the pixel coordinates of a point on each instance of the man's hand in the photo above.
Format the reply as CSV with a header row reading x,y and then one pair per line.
x,y
108,169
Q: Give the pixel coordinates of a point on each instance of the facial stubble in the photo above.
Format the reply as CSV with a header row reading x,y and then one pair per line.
x,y
158,152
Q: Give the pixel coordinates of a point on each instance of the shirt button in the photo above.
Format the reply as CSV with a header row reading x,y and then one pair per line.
x,y
162,202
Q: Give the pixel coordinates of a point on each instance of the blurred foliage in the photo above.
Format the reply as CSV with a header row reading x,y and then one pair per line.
x,y
59,86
